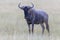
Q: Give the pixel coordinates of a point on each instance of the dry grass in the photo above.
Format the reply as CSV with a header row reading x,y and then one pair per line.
x,y
13,25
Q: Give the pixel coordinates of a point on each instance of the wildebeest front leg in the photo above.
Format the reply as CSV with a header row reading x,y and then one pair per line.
x,y
29,28
42,25
32,26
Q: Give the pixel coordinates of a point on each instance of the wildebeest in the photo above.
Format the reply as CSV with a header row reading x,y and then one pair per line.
x,y
34,16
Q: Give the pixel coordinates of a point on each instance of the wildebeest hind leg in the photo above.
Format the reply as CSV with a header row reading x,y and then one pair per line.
x,y
42,25
47,27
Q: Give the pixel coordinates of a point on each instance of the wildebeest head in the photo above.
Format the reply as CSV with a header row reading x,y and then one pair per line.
x,y
25,8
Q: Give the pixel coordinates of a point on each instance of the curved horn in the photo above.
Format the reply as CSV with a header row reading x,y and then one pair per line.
x,y
19,5
32,5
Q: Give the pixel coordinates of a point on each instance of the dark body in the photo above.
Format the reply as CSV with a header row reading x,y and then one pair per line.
x,y
34,16
37,19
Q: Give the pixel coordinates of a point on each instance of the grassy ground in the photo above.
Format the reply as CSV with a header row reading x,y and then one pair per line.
x,y
13,25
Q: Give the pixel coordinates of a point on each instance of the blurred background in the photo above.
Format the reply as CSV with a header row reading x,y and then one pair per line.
x,y
13,25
